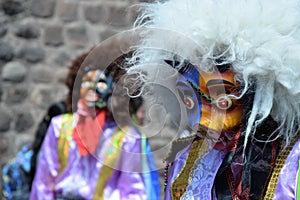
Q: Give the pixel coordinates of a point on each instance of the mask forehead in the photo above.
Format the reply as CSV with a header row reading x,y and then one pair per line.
x,y
91,76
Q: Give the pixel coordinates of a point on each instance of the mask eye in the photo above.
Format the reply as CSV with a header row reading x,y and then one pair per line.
x,y
188,101
101,86
223,102
85,84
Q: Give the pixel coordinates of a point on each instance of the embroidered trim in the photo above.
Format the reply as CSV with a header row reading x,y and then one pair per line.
x,y
177,146
178,187
65,136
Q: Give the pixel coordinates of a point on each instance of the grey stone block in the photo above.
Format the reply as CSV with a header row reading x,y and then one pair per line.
x,y
68,11
6,52
1,92
24,121
3,30
4,24
42,8
14,72
41,75
78,36
16,95
4,145
27,31
95,14
118,16
32,54
5,119
53,36
12,7
43,97
62,59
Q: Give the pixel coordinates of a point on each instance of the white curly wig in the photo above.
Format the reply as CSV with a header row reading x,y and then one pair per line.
x,y
259,38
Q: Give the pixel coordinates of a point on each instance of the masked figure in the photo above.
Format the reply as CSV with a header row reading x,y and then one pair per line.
x,y
239,79
85,155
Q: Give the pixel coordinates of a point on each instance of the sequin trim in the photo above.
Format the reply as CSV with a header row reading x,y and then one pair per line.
x,y
280,162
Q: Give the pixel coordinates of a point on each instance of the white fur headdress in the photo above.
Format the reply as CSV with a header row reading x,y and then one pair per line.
x,y
260,38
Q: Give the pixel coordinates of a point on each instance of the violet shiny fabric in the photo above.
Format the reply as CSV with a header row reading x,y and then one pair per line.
x,y
203,178
80,176
287,181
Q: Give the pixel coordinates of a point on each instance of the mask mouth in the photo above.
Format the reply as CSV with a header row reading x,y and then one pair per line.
x,y
215,136
91,96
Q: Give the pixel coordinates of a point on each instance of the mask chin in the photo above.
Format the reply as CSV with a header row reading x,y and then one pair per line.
x,y
100,104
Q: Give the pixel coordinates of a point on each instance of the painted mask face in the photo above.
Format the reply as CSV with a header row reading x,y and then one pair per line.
x,y
96,87
217,114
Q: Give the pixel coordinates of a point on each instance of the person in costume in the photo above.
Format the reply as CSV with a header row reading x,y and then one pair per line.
x,y
55,109
85,155
239,78
18,173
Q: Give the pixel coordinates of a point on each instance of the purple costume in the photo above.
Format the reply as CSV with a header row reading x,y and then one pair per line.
x,y
205,174
80,176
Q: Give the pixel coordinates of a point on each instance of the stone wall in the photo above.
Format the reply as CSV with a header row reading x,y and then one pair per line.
x,y
38,40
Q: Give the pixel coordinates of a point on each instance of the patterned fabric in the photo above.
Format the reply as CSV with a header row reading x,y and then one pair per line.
x,y
179,185
203,176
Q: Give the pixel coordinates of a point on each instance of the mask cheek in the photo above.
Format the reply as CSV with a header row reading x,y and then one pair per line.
x,y
83,92
194,113
191,101
192,105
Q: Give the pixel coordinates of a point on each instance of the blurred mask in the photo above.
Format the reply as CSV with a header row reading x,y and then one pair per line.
x,y
96,87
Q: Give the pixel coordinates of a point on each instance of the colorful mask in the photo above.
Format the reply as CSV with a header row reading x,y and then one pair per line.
x,y
215,112
96,87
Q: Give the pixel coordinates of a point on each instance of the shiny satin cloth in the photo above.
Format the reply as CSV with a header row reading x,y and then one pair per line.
x,y
287,181
80,176
202,183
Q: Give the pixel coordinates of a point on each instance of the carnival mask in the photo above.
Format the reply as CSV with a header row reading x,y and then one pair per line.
x,y
210,97
96,87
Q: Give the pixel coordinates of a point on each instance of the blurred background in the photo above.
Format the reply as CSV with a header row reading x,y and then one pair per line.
x,y
38,41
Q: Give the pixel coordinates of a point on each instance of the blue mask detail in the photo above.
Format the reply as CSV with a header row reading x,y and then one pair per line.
x,y
190,75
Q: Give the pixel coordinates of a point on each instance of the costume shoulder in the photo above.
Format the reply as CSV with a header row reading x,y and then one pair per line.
x,y
132,138
177,145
